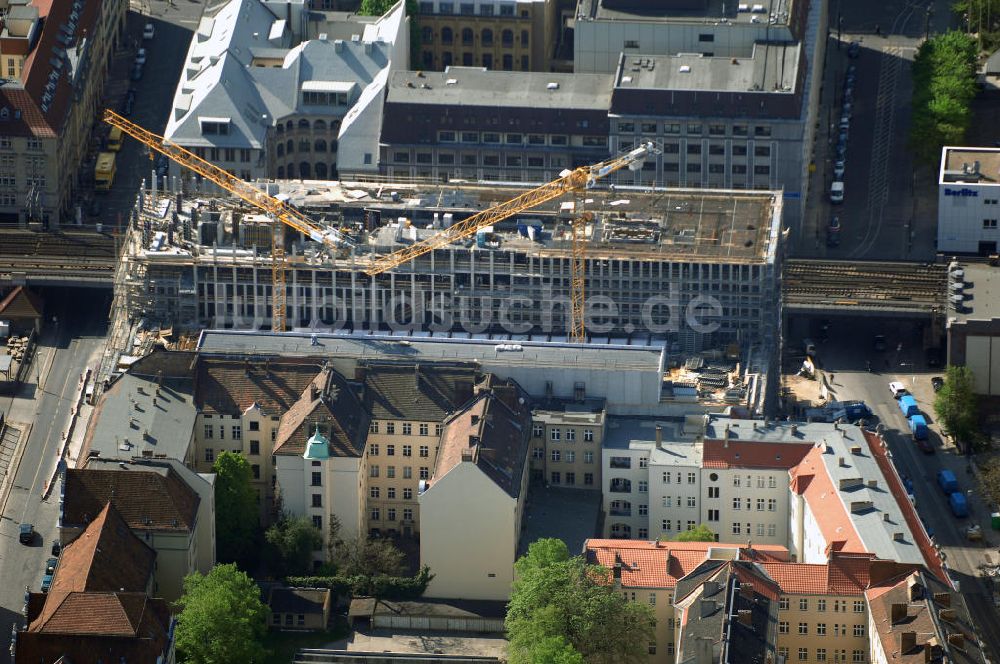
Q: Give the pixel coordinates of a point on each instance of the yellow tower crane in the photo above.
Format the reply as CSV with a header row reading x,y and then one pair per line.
x,y
579,179
278,209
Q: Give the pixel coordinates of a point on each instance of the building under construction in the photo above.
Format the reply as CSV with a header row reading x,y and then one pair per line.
x,y
695,267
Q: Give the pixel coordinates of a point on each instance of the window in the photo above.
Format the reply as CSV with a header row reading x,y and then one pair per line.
x,y
694,128
570,456
739,150
407,493
783,604
643,510
555,434
821,605
736,481
665,525
803,654
209,454
760,504
555,478
694,148
859,629
706,37
761,170
407,429
782,627
713,492
803,604
859,606
761,131
375,515
783,652
317,479
737,503
209,432
390,450
820,654
424,451
570,478
373,449
390,514
736,528
803,629
631,43
408,449
372,471
588,457
537,431
651,647
713,515
390,493
772,504
771,529
390,472
254,447
555,455
255,469
989,224
570,434
588,479
317,500
373,427
390,428
373,492
407,514
760,530
691,501
643,486
407,472
437,429
820,629
424,472
858,656
692,478
643,462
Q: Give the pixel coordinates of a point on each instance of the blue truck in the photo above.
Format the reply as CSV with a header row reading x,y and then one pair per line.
x,y
947,481
956,499
918,427
959,506
908,405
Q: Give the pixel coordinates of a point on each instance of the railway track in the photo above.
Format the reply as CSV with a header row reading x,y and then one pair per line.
x,y
882,286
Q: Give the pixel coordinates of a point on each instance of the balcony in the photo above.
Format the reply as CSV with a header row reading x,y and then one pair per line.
x,y
620,508
620,486
621,462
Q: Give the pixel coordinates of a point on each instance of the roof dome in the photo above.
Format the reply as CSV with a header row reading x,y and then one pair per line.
x,y
317,447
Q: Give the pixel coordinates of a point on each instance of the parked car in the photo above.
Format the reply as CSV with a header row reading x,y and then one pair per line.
x,y
50,570
26,533
56,547
897,389
937,382
128,104
136,72
140,57
839,167
837,192
833,234
149,31
854,50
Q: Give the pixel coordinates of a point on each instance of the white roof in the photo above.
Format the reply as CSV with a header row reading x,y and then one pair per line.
x,y
327,86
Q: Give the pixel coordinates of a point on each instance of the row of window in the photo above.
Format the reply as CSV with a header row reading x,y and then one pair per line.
x,y
229,154
737,150
390,472
747,529
468,37
735,169
566,479
838,655
375,514
838,630
569,456
406,429
555,433
305,145
690,501
303,124
621,485
390,493
407,450
447,7
839,605
693,128
469,60
476,137
448,159
739,503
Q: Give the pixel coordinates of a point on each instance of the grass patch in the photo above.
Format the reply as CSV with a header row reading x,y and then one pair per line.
x,y
282,646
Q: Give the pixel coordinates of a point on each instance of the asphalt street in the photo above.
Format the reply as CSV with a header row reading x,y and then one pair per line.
x,y
68,344
849,346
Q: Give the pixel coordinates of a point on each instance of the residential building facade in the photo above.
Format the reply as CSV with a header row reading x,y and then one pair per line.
x,y
566,443
495,34
54,57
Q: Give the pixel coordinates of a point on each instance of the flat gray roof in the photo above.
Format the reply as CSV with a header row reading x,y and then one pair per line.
x,y
660,11
472,86
639,433
414,348
773,68
981,293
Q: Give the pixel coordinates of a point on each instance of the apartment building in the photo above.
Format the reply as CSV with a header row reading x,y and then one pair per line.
x,y
169,508
495,34
261,99
479,488
100,605
566,442
476,124
54,57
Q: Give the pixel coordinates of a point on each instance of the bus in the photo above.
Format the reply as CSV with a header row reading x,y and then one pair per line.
x,y
104,171
115,139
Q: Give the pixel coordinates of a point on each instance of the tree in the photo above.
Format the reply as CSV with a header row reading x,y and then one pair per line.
x,y
290,545
700,533
956,407
237,518
375,7
221,619
944,84
561,607
361,556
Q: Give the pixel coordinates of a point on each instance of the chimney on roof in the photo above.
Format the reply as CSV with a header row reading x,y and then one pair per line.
x,y
944,599
907,641
947,615
659,437
856,450
475,419
159,378
708,607
898,536
916,589
467,454
795,429
957,639
897,613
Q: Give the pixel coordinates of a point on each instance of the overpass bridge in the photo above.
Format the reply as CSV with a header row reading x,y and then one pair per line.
x,y
67,258
864,288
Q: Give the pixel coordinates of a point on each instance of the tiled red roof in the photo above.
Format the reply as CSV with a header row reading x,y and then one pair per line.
x,y
818,490
752,454
843,575
146,500
230,387
660,564
931,557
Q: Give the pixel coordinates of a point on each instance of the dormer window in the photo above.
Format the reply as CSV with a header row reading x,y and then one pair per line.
x,y
214,126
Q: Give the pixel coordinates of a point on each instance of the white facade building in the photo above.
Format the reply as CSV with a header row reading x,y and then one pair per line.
x,y
969,200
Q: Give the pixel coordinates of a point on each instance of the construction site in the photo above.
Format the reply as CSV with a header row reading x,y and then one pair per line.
x,y
696,267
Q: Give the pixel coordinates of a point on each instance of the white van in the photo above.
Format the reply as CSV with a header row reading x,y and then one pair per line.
x,y
837,192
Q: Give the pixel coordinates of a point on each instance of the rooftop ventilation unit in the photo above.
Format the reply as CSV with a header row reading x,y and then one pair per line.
x,y
552,85
685,69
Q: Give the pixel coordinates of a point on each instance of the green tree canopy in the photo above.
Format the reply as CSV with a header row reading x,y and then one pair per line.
x,y
290,545
375,7
237,518
956,405
700,533
361,556
221,619
944,84
561,608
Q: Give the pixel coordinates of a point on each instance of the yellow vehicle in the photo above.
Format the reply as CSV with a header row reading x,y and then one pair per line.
x,y
104,171
115,139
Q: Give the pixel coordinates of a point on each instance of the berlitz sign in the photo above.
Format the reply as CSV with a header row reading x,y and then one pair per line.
x,y
960,192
